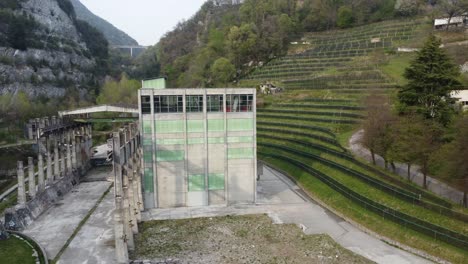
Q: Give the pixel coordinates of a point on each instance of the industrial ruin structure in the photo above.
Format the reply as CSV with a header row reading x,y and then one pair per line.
x,y
199,146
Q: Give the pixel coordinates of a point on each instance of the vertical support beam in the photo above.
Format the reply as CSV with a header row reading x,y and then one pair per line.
x,y
56,160
63,168
121,248
128,221
73,151
21,185
32,180
40,173
139,180
50,174
68,152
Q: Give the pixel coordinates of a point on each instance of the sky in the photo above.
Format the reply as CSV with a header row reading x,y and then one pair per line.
x,y
144,20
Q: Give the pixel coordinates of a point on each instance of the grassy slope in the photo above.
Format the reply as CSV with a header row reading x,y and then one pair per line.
x,y
16,251
391,66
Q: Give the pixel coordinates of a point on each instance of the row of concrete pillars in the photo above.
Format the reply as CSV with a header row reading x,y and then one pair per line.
x,y
127,156
61,151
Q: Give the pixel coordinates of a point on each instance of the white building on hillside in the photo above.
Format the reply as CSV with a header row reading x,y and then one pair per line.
x,y
462,97
458,21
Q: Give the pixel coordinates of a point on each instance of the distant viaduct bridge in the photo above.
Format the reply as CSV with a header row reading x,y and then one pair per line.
x,y
133,51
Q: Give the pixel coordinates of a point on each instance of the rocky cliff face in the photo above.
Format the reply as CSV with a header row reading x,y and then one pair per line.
x,y
55,57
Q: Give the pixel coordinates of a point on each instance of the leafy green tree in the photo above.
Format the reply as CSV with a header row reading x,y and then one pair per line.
x,y
222,71
123,92
242,43
432,76
345,17
428,141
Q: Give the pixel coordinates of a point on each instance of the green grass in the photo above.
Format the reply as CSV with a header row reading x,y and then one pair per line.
x,y
16,251
320,191
396,65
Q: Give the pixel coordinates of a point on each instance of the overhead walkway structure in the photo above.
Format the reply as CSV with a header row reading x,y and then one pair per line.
x,y
83,114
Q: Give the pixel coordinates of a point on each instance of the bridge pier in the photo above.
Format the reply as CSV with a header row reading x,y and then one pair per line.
x,y
40,175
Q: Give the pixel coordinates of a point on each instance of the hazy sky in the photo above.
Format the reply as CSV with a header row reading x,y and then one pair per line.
x,y
144,20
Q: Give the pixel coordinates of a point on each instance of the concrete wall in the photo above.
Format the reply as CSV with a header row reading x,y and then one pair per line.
x,y
199,159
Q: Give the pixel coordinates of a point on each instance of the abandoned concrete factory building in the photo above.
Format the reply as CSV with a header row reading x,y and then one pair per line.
x,y
199,146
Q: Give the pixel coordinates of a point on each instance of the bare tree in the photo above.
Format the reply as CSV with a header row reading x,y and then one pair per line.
x,y
453,8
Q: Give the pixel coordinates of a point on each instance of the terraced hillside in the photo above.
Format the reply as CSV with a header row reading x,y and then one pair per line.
x,y
304,131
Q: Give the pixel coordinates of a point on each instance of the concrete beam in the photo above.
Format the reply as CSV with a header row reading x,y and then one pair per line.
x,y
100,109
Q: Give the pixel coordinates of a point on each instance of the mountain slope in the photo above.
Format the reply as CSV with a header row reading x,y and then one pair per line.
x,y
114,35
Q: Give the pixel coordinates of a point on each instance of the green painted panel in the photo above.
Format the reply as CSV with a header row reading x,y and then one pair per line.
x,y
215,125
170,155
159,83
216,140
240,124
195,126
170,141
169,126
196,182
216,181
194,141
148,156
147,124
240,139
148,180
240,153
147,141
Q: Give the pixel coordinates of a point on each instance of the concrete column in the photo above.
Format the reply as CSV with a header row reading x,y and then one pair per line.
x,y
40,169
68,153
139,181
121,248
32,180
56,160
73,151
63,158
131,198
128,222
30,131
53,121
134,186
21,185
50,174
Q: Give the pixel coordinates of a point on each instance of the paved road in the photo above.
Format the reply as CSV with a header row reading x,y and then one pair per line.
x,y
283,201
433,185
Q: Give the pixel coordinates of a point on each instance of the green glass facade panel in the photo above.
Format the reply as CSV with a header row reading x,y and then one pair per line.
x,y
240,153
170,141
147,125
147,141
196,183
215,181
170,155
240,139
169,126
194,141
159,83
216,125
148,180
148,156
195,126
240,124
216,140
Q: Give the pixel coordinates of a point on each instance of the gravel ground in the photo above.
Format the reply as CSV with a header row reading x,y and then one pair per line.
x,y
239,239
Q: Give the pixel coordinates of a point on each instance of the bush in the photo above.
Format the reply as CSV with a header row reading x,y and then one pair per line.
x,y
345,17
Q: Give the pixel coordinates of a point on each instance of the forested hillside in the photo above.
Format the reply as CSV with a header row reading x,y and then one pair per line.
x,y
240,37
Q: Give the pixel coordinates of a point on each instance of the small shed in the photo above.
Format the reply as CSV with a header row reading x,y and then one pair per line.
x,y
455,22
462,97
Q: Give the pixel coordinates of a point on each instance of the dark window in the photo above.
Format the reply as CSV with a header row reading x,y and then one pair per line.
x,y
239,103
146,105
194,103
214,103
168,104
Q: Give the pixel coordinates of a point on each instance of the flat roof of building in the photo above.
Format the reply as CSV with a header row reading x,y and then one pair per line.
x,y
197,91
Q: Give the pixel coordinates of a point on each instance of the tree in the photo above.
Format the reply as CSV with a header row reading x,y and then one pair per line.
x,y
222,71
377,133
432,76
405,147
242,42
345,17
453,8
456,158
119,92
428,142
